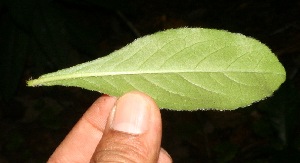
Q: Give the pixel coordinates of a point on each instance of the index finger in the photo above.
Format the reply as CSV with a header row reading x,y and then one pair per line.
x,y
81,142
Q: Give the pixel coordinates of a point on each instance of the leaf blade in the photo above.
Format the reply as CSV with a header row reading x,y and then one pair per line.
x,y
182,69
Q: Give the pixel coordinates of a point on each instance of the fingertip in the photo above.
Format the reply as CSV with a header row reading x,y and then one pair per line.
x,y
131,114
133,131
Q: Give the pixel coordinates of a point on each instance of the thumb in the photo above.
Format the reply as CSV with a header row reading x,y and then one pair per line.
x,y
133,131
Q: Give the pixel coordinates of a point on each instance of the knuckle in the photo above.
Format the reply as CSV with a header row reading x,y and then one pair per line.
x,y
125,149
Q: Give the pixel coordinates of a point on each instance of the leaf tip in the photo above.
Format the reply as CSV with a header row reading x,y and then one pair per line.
x,y
31,82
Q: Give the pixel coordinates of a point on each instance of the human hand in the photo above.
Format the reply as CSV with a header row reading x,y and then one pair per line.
x,y
127,129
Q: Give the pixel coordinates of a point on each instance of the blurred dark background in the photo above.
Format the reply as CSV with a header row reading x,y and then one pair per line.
x,y
41,36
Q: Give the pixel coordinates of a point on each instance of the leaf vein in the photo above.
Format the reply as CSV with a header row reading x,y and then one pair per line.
x,y
230,64
236,81
154,53
200,86
209,55
167,90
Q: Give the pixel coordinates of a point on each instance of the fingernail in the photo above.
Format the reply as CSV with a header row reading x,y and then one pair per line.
x,y
131,114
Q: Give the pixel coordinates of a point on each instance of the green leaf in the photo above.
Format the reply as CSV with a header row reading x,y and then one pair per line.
x,y
182,69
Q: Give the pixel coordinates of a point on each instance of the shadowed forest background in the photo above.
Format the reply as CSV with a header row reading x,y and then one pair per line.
x,y
41,36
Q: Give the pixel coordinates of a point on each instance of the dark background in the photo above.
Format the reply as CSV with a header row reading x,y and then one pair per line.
x,y
41,36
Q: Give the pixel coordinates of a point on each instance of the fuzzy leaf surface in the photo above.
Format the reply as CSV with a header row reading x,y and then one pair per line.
x,y
182,69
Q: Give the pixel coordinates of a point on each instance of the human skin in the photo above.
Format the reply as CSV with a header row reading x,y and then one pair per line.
x,y
127,129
